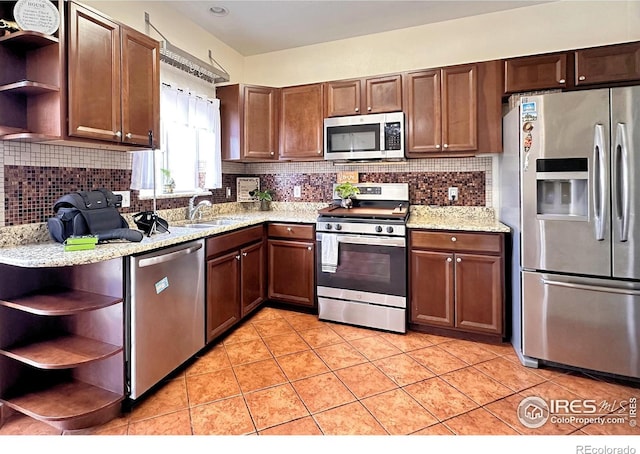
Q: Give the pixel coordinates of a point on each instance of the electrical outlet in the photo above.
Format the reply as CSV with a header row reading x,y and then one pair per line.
x,y
453,194
228,192
126,198
297,191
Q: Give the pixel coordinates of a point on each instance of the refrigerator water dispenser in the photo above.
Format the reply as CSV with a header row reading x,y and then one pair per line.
x,y
562,189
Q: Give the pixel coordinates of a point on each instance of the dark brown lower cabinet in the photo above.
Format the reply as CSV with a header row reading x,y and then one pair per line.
x,y
292,264
235,278
457,281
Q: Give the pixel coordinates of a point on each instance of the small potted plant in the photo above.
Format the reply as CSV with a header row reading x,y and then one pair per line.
x,y
169,183
346,191
265,197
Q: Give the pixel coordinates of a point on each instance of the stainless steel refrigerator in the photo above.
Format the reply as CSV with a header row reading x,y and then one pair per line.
x,y
570,191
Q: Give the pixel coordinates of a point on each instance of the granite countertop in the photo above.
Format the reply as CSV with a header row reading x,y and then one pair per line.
x,y
41,251
471,219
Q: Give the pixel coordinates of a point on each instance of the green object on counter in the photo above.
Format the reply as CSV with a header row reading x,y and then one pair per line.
x,y
80,243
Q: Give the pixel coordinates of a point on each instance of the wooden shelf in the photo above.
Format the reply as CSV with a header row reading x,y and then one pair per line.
x,y
60,302
28,87
62,352
65,405
25,40
30,137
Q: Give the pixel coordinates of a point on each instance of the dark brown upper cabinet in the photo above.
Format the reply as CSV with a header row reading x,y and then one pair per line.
x,y
249,121
114,80
364,96
301,122
535,73
607,64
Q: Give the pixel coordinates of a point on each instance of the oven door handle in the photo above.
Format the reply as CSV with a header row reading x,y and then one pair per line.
x,y
372,240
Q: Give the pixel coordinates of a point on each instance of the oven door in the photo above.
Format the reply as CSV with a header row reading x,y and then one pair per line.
x,y
364,264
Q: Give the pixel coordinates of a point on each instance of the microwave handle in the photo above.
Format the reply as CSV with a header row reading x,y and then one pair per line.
x,y
382,135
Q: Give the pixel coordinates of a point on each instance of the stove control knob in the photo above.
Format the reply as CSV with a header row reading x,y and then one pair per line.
x,y
378,229
327,226
338,227
389,229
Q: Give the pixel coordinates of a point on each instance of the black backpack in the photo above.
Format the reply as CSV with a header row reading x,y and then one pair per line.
x,y
90,213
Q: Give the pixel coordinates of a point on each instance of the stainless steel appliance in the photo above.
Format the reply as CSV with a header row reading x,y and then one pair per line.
x,y
570,188
165,313
362,258
363,137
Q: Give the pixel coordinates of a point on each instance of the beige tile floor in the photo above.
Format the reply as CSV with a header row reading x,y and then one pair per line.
x,y
287,373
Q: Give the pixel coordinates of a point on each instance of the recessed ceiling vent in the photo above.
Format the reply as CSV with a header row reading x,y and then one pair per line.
x,y
186,62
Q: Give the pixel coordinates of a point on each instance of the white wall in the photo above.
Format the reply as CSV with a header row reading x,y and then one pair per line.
x,y
523,31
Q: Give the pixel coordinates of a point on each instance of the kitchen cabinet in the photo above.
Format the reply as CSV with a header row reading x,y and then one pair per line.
x,y
61,343
249,122
235,276
441,110
291,269
457,281
607,64
32,87
537,72
364,96
301,122
455,110
114,80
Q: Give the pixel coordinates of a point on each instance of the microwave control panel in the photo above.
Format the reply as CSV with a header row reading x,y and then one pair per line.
x,y
392,136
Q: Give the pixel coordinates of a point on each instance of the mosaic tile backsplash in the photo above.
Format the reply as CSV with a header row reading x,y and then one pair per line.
x,y
34,176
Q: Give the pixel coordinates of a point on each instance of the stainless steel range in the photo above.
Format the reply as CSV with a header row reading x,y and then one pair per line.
x,y
362,258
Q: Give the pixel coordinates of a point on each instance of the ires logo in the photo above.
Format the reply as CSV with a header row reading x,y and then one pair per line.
x,y
573,407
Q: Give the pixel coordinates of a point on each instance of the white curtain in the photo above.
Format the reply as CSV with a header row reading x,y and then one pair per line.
x,y
190,138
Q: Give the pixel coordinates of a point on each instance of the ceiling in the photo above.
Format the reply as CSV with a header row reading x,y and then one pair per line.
x,y
255,27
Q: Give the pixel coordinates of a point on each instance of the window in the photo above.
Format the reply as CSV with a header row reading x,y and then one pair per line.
x,y
190,145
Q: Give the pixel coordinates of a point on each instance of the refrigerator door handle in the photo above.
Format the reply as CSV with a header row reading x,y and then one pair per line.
x,y
592,288
599,184
621,181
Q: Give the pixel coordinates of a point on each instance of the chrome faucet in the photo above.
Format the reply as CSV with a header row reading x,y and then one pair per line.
x,y
193,210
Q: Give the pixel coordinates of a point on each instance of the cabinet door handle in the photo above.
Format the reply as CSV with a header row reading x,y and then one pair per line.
x,y
449,259
289,229
319,151
308,248
118,134
244,254
561,81
581,78
129,135
446,145
454,239
272,153
357,109
237,257
458,260
438,146
369,109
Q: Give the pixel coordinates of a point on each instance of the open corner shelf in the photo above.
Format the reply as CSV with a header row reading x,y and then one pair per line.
x,y
26,40
60,302
66,406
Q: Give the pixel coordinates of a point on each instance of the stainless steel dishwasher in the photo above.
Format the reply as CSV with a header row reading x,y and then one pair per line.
x,y
165,313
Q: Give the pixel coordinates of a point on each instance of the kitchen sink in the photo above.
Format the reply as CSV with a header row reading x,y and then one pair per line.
x,y
209,224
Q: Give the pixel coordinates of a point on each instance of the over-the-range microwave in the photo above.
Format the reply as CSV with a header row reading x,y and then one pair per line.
x,y
363,137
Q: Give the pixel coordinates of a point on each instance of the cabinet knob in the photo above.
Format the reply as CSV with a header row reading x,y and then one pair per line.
x,y
458,260
289,229
308,248
244,254
129,135
454,239
438,146
272,153
357,109
118,134
319,151
449,259
446,145
369,109
561,81
237,257
581,78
